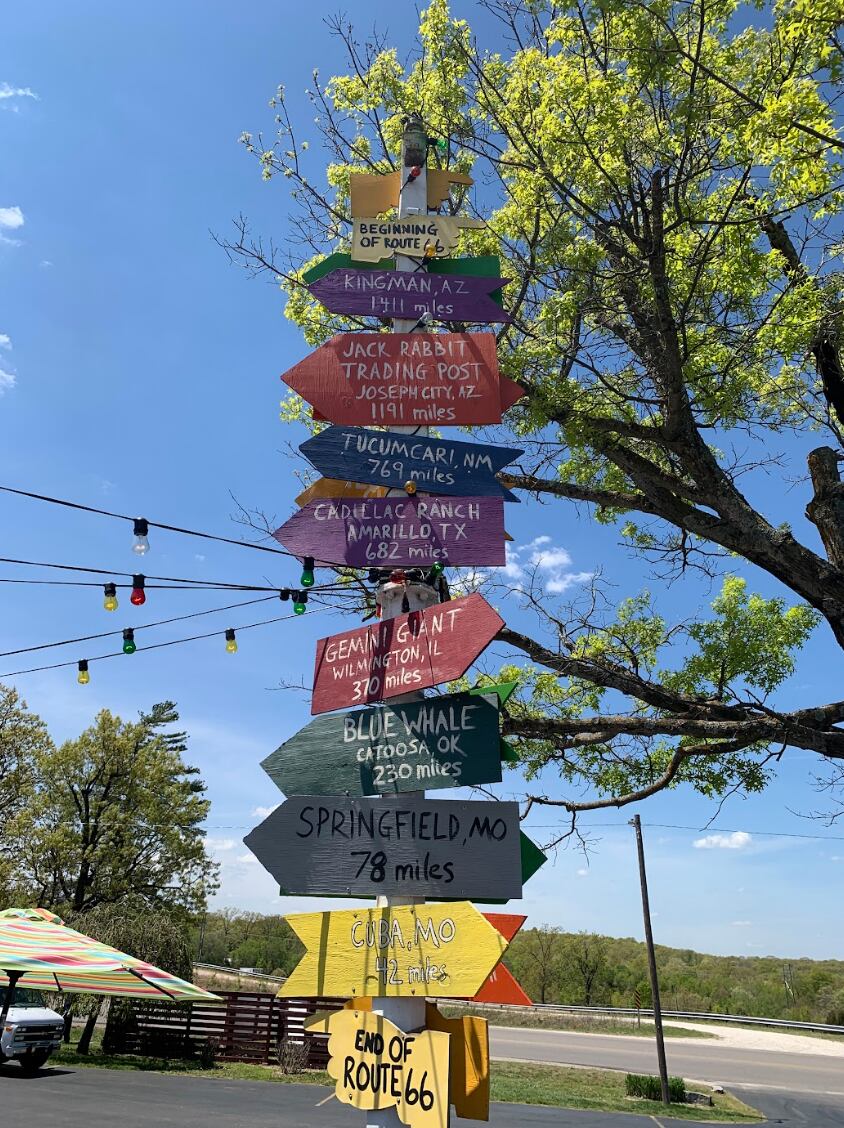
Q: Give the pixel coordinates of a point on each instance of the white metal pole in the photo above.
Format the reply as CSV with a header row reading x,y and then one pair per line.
x,y
408,1014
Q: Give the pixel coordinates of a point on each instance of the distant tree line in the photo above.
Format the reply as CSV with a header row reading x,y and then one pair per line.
x,y
235,938
584,969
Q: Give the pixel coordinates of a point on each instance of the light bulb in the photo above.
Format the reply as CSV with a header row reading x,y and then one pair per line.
x,y
141,529
138,596
110,597
438,568
129,641
231,641
300,599
83,677
307,578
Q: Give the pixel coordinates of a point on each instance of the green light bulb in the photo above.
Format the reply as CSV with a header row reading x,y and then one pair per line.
x,y
307,578
129,641
300,601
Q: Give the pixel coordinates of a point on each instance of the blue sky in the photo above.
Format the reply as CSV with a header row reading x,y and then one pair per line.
x,y
142,376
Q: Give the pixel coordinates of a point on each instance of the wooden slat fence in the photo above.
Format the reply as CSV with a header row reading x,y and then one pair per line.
x,y
248,1027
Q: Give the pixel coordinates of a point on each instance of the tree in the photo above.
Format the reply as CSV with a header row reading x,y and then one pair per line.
x,y
535,959
23,737
116,813
663,183
583,963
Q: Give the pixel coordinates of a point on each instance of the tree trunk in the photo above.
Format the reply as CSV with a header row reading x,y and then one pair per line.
x,y
84,1044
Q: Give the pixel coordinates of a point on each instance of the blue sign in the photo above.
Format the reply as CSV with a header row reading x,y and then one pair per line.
x,y
389,458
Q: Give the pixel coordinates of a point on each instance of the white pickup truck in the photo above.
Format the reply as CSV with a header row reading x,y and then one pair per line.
x,y
31,1031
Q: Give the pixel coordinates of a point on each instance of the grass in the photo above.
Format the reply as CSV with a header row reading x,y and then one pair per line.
x,y
512,1082
577,1024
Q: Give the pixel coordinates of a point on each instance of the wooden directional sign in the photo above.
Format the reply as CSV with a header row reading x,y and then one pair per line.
x,y
373,193
388,458
376,1065
414,651
416,236
502,989
449,741
415,847
468,1053
468,1059
405,379
398,531
409,294
439,951
478,266
337,487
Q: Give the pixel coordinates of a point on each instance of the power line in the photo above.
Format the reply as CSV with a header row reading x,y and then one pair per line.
x,y
697,830
153,524
142,627
161,645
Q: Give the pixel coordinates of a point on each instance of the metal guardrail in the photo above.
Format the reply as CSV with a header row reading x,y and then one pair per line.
x,y
697,1016
241,974
562,1008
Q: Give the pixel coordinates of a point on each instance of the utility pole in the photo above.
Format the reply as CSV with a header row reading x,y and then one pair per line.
x,y
636,823
398,595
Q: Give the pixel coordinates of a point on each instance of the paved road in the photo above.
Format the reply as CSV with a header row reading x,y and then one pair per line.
x,y
103,1098
700,1059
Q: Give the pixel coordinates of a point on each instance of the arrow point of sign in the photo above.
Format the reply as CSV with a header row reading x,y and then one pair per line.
x,y
511,392
508,924
532,858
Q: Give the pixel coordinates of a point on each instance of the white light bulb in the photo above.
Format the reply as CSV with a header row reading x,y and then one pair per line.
x,y
141,545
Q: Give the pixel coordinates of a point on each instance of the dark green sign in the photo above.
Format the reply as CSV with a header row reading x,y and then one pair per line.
x,y
448,741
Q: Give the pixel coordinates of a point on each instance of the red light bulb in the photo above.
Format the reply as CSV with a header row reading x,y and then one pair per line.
x,y
138,596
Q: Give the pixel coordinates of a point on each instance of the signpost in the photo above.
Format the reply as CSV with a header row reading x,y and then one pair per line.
x,y
440,951
405,379
414,236
479,266
414,651
398,532
401,845
409,294
411,462
376,1066
449,741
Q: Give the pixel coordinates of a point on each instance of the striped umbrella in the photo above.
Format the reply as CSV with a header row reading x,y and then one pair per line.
x,y
37,949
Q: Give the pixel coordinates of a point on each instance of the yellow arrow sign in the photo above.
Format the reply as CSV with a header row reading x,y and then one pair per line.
x,y
439,951
335,487
372,194
377,1066
417,236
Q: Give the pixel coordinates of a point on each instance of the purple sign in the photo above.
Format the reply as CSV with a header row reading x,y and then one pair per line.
x,y
409,294
398,531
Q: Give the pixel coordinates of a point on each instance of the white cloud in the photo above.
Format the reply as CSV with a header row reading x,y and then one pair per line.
x,y
264,812
7,381
247,859
836,858
5,341
9,94
219,844
550,559
11,217
583,873
563,582
737,840
741,923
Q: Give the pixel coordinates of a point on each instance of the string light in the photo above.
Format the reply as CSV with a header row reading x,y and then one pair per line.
x,y
307,578
300,602
138,596
83,677
231,641
141,531
110,597
129,641
284,594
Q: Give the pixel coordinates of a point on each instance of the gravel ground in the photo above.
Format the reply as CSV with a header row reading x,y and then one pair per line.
x,y
744,1039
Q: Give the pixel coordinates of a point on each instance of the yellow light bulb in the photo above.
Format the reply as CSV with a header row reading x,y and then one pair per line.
x,y
110,603
231,646
83,677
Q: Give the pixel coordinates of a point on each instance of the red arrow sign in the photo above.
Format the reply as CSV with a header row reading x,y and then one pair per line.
x,y
405,379
500,985
412,651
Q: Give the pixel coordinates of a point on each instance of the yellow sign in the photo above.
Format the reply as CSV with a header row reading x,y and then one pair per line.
x,y
334,487
468,1060
372,194
440,951
416,236
377,1066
